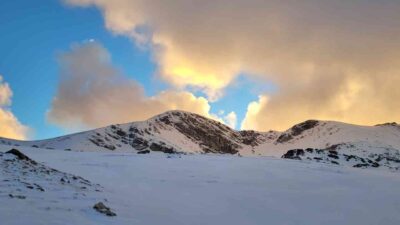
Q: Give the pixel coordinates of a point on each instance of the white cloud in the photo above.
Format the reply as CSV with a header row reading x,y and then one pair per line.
x,y
231,119
10,126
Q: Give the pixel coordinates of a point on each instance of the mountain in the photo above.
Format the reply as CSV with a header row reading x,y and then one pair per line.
x,y
184,132
170,132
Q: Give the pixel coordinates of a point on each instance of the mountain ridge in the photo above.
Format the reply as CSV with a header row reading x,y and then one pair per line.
x,y
179,131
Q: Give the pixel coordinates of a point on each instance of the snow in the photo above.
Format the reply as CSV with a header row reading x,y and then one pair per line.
x,y
202,189
366,139
329,133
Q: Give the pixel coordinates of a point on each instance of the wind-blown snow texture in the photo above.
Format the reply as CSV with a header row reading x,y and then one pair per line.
x,y
184,132
176,189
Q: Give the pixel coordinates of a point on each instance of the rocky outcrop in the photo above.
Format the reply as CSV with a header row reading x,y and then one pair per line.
x,y
211,135
23,173
293,154
21,156
296,130
389,159
103,209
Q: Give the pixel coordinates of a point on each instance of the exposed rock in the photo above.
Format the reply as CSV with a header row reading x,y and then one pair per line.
x,y
296,130
389,159
17,196
101,143
293,154
393,124
250,137
161,148
212,135
143,152
101,208
359,165
139,144
20,155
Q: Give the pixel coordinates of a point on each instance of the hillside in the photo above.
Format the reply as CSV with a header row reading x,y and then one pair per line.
x,y
184,132
191,189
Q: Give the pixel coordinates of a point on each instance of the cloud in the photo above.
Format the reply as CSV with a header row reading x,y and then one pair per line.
x,y
231,119
329,59
253,110
93,93
10,126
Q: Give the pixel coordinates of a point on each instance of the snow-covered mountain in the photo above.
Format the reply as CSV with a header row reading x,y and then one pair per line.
x,y
170,132
184,132
96,177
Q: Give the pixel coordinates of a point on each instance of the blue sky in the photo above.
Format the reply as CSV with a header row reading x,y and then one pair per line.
x,y
34,35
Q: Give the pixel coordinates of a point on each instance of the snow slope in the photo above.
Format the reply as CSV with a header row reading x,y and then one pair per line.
x,y
173,131
199,189
184,132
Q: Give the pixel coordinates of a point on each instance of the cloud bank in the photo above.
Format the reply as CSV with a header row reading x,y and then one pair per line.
x,y
93,93
10,127
336,59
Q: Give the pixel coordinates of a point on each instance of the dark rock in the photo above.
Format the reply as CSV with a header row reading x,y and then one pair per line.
x,y
161,148
310,150
319,151
17,196
333,156
143,152
249,137
333,152
393,124
139,144
293,154
297,130
121,133
40,188
20,155
101,208
374,164
99,142
359,165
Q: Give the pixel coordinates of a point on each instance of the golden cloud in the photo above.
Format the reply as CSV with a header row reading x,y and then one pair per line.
x,y
93,93
10,126
329,59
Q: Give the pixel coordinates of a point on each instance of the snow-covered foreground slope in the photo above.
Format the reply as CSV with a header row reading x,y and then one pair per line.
x,y
184,132
202,189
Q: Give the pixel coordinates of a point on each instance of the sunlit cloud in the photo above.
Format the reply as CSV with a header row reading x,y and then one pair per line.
x,y
231,119
92,92
336,60
10,127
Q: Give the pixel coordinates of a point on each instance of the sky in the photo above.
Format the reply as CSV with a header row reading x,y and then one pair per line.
x,y
71,65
